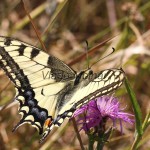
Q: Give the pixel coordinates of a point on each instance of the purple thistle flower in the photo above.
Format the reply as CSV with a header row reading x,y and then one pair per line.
x,y
98,111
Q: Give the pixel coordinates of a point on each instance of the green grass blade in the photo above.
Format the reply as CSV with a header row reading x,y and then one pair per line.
x,y
136,107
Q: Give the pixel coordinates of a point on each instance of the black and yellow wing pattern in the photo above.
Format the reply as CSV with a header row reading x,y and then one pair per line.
x,y
45,101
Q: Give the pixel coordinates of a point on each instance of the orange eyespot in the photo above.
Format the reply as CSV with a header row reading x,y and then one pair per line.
x,y
47,122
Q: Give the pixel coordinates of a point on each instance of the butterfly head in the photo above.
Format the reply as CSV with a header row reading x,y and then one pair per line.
x,y
88,72
82,76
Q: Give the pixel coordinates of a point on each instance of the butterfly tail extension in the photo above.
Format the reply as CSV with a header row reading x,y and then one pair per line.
x,y
57,122
46,133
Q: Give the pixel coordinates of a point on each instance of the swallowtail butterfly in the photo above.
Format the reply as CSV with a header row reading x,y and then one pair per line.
x,y
46,101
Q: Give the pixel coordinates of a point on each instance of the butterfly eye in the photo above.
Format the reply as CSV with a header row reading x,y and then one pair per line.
x,y
90,72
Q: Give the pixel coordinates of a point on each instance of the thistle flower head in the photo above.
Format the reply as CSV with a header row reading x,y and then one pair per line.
x,y
100,110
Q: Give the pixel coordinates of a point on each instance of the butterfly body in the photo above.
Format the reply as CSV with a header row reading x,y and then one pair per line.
x,y
45,101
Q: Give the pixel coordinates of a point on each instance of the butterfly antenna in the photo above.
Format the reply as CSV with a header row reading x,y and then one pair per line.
x,y
113,50
87,55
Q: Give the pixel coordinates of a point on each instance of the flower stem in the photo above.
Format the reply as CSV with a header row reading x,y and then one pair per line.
x,y
100,144
77,132
91,142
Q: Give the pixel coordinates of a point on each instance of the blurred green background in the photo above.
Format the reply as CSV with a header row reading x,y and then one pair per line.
x,y
64,26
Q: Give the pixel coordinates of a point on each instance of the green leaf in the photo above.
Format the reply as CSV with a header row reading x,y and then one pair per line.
x,y
136,107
